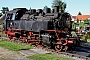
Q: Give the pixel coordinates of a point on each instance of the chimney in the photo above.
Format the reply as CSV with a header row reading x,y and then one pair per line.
x,y
56,9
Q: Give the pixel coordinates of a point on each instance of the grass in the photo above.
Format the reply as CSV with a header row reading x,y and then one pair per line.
x,y
14,46
47,57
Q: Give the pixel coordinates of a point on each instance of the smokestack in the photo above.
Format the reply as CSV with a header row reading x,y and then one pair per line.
x,y
56,9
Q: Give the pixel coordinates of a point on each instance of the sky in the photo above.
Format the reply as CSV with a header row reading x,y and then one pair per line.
x,y
73,6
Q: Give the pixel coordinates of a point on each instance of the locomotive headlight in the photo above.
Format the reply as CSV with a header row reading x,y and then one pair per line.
x,y
11,23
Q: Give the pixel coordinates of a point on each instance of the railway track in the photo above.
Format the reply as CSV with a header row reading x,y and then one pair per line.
x,y
82,53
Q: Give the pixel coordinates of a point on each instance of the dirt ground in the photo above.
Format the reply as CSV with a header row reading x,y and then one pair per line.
x,y
6,54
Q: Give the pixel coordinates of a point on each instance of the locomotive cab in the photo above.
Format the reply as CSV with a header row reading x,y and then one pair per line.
x,y
11,16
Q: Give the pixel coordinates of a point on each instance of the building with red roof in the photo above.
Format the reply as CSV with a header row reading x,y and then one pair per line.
x,y
80,18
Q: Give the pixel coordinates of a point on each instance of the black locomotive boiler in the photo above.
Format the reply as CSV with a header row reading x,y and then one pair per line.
x,y
45,27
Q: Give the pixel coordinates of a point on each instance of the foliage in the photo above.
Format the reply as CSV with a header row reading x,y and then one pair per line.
x,y
74,26
86,36
62,5
45,7
47,57
79,13
81,25
0,23
86,21
14,46
4,10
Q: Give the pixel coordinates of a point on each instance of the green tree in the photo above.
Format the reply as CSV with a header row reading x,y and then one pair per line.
x,y
45,7
62,5
79,13
86,21
81,25
4,10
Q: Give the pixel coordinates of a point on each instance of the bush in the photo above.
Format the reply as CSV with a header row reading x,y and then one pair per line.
x,y
86,36
0,23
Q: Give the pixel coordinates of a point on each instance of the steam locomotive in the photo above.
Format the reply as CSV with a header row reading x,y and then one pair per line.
x,y
40,27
